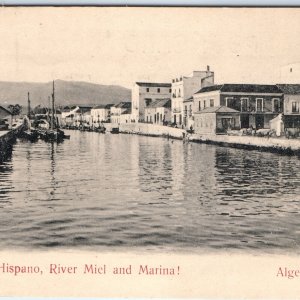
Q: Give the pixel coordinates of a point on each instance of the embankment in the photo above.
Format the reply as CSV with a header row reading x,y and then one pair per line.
x,y
278,145
148,130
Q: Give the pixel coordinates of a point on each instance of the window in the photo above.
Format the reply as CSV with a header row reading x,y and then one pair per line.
x,y
233,103
276,105
179,93
170,90
295,107
259,104
158,90
148,101
211,102
204,103
199,105
244,104
147,90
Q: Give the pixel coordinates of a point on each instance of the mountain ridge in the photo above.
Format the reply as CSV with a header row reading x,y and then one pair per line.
x,y
66,93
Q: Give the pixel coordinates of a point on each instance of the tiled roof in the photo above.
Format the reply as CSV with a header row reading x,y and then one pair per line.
x,y
99,106
290,89
103,106
127,111
242,88
160,103
123,105
210,88
153,84
189,99
217,109
5,109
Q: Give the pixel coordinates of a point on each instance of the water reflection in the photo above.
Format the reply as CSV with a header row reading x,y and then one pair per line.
x,y
5,181
99,191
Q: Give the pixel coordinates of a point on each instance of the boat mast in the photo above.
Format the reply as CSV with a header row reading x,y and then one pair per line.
x,y
52,117
28,112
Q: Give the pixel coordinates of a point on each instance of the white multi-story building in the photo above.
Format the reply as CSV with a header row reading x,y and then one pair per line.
x,y
144,93
101,113
159,112
183,89
121,113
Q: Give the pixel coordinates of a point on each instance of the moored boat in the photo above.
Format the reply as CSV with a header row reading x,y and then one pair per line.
x,y
30,135
115,130
100,129
54,133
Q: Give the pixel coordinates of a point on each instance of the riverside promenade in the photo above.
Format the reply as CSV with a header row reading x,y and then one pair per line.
x,y
270,144
148,130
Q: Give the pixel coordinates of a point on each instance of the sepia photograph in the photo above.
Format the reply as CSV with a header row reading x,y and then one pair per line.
x,y
148,132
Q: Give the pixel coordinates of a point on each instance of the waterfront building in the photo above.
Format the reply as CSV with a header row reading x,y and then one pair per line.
x,y
101,113
45,113
144,93
125,116
188,116
5,118
87,118
291,108
159,112
121,113
183,88
257,104
74,115
216,120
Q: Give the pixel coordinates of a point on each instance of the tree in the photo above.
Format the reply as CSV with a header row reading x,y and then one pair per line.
x,y
15,109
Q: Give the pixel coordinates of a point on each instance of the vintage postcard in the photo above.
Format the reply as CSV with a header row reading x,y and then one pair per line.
x,y
150,152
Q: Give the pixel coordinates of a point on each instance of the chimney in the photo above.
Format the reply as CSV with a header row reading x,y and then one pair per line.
x,y
207,68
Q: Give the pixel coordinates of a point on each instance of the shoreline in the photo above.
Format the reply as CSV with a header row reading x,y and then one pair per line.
x,y
281,146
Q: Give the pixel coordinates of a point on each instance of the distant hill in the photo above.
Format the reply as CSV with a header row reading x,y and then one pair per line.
x,y
66,93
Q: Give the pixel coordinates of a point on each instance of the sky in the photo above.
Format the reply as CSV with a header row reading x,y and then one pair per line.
x,y
119,46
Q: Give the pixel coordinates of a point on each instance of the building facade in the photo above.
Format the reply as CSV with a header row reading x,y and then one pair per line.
x,y
121,113
257,104
144,93
159,112
216,120
74,115
291,111
101,113
183,88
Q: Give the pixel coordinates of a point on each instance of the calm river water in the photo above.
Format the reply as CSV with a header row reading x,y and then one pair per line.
x,y
104,191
